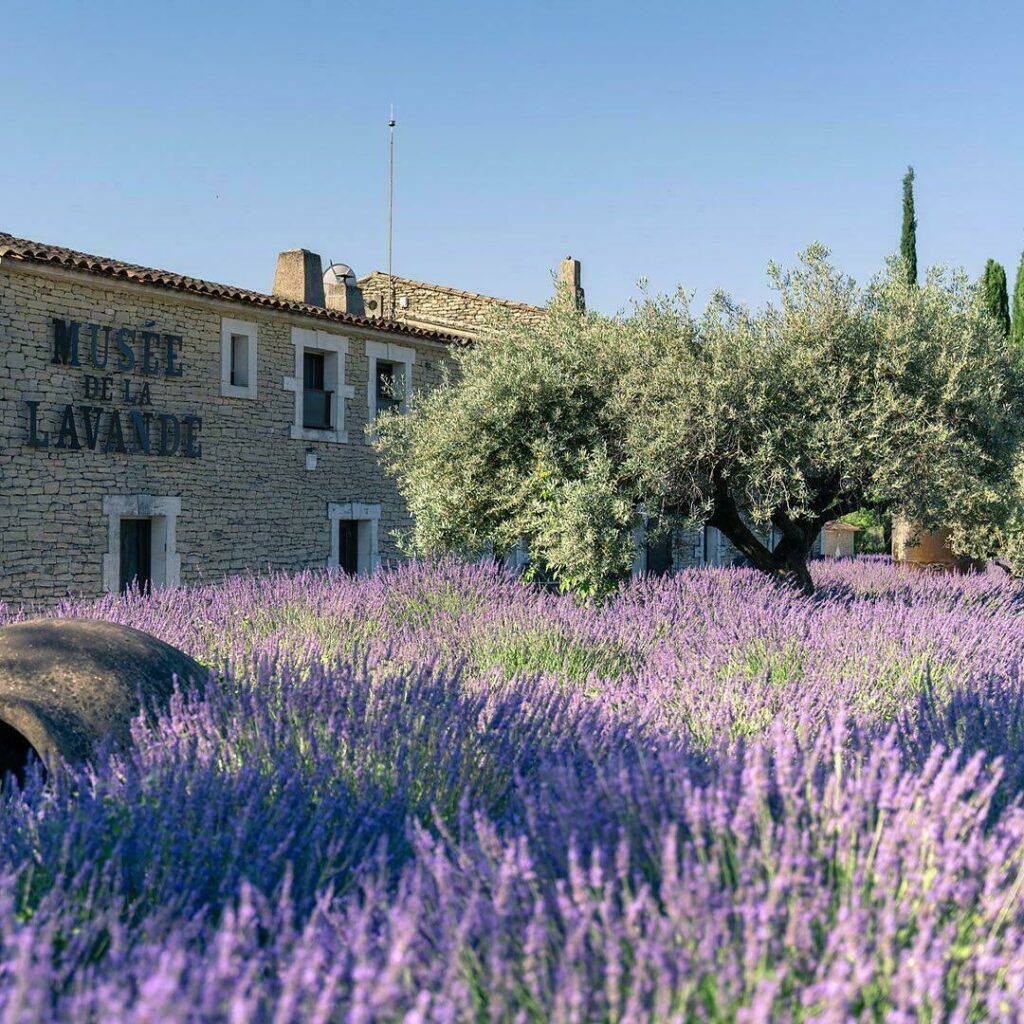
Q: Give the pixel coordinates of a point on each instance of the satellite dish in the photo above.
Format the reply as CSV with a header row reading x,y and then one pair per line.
x,y
340,273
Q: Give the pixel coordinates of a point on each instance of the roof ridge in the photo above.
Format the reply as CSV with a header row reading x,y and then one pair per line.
x,y
38,252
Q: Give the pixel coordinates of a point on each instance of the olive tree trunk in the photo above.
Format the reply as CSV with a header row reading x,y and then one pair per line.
x,y
787,562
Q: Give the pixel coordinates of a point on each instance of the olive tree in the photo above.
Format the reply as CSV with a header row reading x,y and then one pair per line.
x,y
761,423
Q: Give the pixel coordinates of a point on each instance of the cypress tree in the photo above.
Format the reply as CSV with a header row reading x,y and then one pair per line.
x,y
908,239
1017,327
993,290
908,250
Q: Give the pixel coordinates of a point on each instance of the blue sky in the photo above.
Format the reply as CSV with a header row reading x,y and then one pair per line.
x,y
686,142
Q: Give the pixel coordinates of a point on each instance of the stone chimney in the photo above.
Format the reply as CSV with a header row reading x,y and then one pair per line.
x,y
348,298
570,275
299,277
342,291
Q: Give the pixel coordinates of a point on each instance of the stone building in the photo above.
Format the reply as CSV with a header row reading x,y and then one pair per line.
x,y
840,539
434,306
164,428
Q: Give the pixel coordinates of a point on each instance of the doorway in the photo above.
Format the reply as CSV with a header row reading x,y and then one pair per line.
x,y
136,555
659,554
657,548
348,546
353,536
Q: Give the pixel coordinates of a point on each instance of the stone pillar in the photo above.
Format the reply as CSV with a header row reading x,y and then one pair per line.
x,y
570,276
299,277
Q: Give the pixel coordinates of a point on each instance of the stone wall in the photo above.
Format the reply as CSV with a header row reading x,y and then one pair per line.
x,y
687,548
701,546
707,546
443,308
248,503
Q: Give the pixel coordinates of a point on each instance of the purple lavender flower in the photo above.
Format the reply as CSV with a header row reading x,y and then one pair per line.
x,y
438,794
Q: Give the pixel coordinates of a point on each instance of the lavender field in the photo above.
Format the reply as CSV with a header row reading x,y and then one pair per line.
x,y
441,795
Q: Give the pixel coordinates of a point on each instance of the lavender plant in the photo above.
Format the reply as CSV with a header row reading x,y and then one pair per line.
x,y
440,795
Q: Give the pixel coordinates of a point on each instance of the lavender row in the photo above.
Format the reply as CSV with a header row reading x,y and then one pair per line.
x,y
438,794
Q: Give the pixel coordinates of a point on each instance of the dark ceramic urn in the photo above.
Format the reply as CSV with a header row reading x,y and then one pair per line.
x,y
68,685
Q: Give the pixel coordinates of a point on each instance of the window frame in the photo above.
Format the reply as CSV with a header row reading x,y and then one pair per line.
x,y
386,352
165,562
229,329
334,347
366,515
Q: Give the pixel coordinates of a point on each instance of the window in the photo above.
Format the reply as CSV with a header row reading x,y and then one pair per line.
x,y
316,399
237,359
319,386
313,370
353,536
390,377
390,387
141,542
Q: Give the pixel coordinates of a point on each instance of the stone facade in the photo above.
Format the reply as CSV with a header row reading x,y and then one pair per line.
x,y
692,548
437,306
241,492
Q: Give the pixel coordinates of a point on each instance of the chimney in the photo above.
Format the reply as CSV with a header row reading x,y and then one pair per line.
x,y
341,288
347,298
299,277
570,273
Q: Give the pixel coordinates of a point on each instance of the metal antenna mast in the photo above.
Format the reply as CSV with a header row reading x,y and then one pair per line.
x,y
391,209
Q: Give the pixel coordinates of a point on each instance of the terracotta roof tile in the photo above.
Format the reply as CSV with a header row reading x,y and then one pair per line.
x,y
21,249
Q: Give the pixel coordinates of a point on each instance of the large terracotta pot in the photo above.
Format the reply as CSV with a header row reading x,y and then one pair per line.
x,y
67,685
928,549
